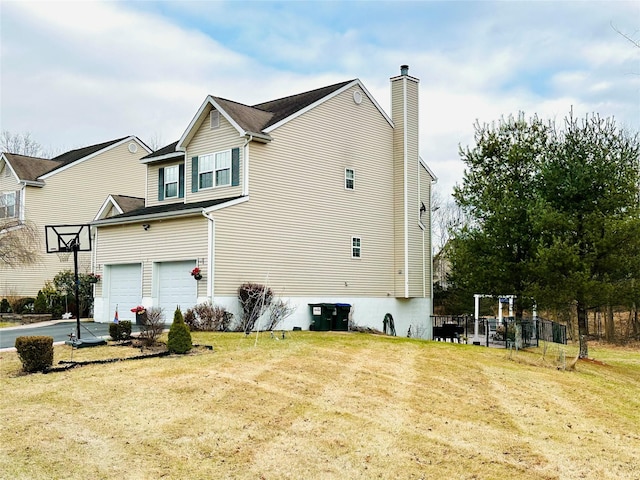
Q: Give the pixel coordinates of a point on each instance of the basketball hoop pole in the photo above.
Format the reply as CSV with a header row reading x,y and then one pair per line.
x,y
64,240
75,247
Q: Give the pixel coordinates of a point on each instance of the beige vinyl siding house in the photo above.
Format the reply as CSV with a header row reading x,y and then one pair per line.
x,y
315,206
70,190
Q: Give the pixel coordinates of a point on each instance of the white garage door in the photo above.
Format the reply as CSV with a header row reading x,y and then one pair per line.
x,y
125,290
176,287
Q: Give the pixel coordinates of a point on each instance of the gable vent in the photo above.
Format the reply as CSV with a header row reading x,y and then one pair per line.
x,y
214,119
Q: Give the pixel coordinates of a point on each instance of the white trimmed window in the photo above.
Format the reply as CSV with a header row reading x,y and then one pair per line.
x,y
171,182
8,205
356,249
216,166
223,168
349,179
205,171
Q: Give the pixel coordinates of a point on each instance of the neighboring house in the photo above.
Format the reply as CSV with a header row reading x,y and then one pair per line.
x,y
67,189
321,196
442,266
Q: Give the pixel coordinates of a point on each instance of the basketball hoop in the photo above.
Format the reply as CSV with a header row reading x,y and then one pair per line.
x,y
63,255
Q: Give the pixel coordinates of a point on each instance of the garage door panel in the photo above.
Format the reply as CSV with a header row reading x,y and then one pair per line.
x,y
125,289
176,287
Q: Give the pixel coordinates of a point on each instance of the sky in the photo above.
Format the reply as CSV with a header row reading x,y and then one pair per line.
x,y
78,73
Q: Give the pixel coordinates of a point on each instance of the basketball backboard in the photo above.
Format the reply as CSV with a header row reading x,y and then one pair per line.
x,y
68,238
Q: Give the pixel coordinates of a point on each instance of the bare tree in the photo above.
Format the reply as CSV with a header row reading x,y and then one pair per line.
x,y
633,41
155,142
447,217
19,244
20,143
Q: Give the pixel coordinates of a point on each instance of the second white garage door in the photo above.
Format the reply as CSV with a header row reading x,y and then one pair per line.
x,y
176,287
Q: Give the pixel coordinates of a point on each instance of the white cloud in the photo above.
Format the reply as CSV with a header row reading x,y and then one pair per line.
x,y
82,72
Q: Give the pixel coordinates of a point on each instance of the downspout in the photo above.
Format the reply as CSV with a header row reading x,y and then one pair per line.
x,y
211,238
245,149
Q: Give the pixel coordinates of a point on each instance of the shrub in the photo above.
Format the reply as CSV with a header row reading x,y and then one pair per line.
x,y
120,331
65,283
179,334
208,317
36,352
278,311
40,305
4,306
153,326
24,305
255,299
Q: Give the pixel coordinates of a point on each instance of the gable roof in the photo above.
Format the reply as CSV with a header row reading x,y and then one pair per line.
x,y
121,203
33,170
285,107
260,119
74,155
168,210
28,169
128,204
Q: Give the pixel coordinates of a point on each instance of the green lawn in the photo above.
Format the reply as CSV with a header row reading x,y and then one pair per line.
x,y
324,406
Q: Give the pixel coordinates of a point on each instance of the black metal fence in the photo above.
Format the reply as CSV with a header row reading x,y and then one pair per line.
x,y
511,332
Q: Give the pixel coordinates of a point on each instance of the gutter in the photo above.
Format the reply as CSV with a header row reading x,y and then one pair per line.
x,y
151,216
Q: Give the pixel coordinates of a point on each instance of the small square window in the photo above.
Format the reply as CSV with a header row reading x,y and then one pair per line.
x,y
349,178
355,247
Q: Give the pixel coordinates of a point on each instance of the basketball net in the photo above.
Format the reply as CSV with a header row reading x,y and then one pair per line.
x,y
63,255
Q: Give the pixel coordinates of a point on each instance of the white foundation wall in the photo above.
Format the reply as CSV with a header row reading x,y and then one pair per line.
x,y
365,312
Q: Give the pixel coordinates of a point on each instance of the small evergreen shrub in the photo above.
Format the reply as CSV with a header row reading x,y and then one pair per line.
x,y
120,331
4,306
35,352
40,304
179,335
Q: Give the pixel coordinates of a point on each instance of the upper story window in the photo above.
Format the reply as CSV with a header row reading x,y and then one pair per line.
x,y
8,205
220,169
171,182
356,247
349,178
214,169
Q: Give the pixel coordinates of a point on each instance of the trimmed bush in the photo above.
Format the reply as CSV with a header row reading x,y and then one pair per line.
x,y
40,305
4,306
207,317
22,305
120,331
35,352
179,335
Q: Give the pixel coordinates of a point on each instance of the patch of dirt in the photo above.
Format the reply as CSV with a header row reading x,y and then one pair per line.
x,y
593,361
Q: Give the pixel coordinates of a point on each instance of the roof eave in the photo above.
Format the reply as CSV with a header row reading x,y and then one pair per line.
x,y
162,158
150,216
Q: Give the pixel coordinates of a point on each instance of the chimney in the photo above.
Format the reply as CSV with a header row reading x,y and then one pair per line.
x,y
404,113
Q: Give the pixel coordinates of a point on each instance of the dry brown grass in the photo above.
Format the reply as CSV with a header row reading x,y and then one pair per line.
x,y
324,406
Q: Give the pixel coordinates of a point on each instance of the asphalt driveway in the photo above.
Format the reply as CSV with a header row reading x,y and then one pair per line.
x,y
59,330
